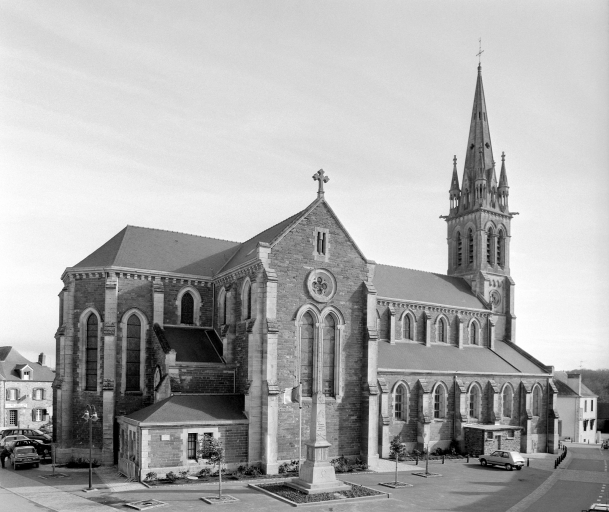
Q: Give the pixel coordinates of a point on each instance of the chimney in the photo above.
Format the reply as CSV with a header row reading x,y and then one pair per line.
x,y
575,382
42,359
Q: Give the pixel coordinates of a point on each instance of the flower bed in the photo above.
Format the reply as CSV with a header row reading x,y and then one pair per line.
x,y
295,496
206,476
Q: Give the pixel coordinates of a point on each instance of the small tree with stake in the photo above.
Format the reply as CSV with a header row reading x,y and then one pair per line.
x,y
214,451
397,450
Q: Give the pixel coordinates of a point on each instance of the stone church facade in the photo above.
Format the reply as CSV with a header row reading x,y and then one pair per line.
x,y
175,337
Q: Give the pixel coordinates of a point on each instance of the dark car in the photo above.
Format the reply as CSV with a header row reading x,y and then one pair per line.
x,y
43,449
30,433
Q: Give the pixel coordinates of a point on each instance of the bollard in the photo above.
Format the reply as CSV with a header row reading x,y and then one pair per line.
x,y
527,462
468,458
416,462
443,459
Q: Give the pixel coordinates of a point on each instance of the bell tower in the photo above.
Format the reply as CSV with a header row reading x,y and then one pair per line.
x,y
479,223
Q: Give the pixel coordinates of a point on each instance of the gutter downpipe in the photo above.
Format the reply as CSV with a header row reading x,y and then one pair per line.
x,y
547,414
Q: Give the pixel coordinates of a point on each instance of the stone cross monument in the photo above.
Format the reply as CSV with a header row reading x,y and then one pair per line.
x,y
317,474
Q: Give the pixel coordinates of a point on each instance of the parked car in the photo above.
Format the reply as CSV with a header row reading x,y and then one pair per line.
x,y
596,507
510,460
43,449
30,433
47,428
9,441
24,455
605,444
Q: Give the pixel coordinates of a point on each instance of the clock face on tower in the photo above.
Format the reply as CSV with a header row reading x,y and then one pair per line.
x,y
321,285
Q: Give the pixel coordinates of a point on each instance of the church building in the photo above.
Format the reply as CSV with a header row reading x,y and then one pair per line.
x,y
174,338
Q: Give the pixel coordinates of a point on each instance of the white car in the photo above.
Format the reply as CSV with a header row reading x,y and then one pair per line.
x,y
9,441
509,460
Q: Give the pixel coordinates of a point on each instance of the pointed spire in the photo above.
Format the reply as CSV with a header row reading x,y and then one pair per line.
x,y
503,181
479,133
454,182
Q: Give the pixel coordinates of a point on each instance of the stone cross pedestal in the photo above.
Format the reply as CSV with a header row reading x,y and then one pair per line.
x,y
317,474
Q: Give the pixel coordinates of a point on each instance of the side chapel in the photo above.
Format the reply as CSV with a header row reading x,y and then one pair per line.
x,y
175,337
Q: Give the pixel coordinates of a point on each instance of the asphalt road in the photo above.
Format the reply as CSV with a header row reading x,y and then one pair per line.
x,y
583,481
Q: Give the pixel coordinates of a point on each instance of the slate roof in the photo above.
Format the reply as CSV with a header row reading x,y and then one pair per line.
x,y
192,408
449,358
167,251
419,286
247,250
564,389
193,345
11,361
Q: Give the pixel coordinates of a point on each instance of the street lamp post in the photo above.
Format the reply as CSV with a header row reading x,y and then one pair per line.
x,y
90,416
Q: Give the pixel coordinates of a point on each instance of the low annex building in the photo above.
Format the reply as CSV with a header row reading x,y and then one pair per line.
x,y
174,337
26,395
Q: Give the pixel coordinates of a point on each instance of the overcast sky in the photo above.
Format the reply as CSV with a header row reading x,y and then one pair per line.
x,y
211,117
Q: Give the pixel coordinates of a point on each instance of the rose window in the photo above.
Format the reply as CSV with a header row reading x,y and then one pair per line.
x,y
321,284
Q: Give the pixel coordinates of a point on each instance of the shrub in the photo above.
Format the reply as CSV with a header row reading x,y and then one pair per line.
x,y
150,477
204,472
171,476
81,462
289,467
360,464
183,473
253,470
341,465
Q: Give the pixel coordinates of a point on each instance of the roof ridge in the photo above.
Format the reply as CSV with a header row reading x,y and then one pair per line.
x,y
228,261
417,270
182,233
274,225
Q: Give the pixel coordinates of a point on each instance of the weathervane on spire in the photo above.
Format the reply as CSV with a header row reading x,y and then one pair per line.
x,y
480,51
321,178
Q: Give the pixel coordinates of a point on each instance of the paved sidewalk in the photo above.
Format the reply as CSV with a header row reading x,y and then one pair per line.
x,y
45,495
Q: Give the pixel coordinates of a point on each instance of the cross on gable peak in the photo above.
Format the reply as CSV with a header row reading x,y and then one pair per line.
x,y
321,178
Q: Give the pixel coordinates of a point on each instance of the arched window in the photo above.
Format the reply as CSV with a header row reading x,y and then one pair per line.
x,y
470,243
91,353
439,402
406,327
441,331
489,246
473,333
423,328
222,309
536,401
249,301
500,248
134,341
400,401
246,301
508,399
329,347
307,340
459,250
187,309
474,402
